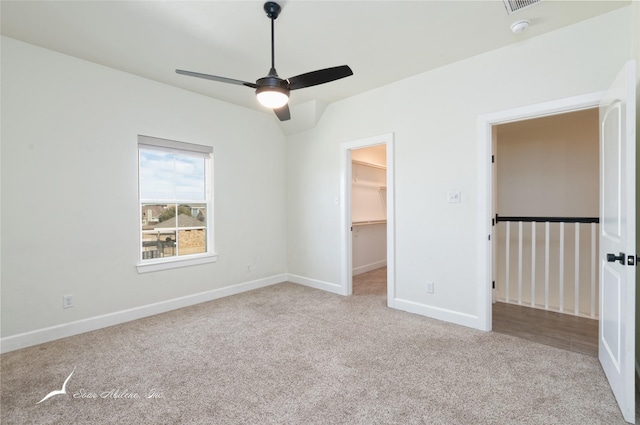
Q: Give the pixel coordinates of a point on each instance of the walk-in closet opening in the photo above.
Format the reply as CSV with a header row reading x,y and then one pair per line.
x,y
369,220
546,218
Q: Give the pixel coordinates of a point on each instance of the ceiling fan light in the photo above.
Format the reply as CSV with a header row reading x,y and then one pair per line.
x,y
272,97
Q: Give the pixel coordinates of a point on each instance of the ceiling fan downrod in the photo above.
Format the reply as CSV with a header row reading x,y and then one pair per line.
x,y
273,10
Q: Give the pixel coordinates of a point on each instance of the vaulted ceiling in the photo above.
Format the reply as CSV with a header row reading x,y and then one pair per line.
x,y
382,41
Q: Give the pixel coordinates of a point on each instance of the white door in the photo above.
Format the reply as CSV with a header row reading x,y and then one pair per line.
x,y
618,240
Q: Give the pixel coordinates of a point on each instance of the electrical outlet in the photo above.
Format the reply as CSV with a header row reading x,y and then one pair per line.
x,y
454,197
430,287
67,301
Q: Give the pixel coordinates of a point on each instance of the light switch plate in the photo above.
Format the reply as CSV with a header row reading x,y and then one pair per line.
x,y
454,197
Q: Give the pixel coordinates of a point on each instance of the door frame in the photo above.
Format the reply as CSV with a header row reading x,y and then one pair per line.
x,y
485,182
345,213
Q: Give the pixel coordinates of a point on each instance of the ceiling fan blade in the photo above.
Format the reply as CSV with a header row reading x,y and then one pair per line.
x,y
216,78
319,77
283,113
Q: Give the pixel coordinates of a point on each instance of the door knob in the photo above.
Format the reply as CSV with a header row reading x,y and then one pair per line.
x,y
612,258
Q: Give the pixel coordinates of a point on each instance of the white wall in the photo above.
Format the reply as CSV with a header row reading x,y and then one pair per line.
x,y
434,117
549,166
69,189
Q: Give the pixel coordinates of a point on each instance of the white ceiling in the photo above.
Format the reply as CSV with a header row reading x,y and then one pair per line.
x,y
382,41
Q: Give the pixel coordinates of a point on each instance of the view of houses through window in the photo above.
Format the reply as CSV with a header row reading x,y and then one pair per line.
x,y
174,200
165,233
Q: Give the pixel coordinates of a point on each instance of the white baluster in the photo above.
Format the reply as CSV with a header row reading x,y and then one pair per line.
x,y
533,264
561,271
576,292
507,260
594,261
546,265
519,262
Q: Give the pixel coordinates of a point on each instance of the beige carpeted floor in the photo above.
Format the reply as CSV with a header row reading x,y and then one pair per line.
x,y
288,354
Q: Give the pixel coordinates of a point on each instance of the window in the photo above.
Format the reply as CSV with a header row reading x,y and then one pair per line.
x,y
174,186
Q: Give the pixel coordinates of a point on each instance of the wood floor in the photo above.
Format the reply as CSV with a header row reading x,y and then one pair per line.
x,y
546,327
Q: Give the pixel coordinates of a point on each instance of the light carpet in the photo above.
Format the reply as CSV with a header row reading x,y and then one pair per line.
x,y
289,354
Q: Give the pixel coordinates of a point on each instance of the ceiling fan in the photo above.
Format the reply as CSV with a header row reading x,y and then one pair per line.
x,y
273,91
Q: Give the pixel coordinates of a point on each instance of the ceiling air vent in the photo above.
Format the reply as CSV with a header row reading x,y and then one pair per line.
x,y
516,5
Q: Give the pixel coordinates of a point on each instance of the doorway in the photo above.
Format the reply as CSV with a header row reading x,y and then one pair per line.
x,y
369,220
486,219
546,208
373,219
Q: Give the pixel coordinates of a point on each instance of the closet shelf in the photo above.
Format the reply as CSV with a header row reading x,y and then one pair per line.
x,y
368,222
368,164
370,185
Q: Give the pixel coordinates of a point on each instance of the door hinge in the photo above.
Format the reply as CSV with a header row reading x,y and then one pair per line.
x,y
493,159
489,237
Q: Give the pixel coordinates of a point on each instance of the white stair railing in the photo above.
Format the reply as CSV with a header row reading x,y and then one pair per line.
x,y
565,280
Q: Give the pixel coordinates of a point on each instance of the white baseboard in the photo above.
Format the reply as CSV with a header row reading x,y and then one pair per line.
x,y
439,313
318,284
368,267
52,333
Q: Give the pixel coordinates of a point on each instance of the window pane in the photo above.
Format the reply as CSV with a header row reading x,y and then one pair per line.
x,y
157,175
191,215
149,246
167,243
156,160
190,173
156,215
157,185
158,244
189,165
192,241
158,230
169,176
190,186
198,212
150,214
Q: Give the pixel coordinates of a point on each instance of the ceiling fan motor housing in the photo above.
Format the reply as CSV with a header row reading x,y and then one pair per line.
x,y
272,90
272,84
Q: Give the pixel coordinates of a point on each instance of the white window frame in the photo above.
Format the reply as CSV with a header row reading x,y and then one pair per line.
x,y
166,263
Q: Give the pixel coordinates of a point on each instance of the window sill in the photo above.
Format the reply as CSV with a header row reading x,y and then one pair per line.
x,y
155,266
